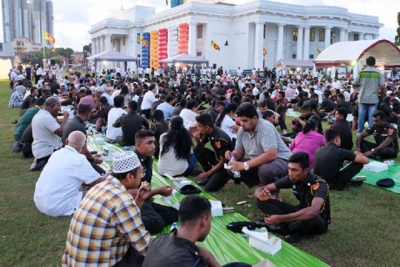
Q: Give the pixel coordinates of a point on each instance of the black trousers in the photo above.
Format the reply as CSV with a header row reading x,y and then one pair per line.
x,y
345,175
207,159
132,258
314,226
146,112
386,153
156,216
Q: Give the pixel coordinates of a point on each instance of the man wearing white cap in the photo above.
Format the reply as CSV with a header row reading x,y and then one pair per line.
x,y
107,229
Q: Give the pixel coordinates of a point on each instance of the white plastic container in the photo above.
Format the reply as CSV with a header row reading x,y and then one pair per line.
x,y
375,167
216,208
263,241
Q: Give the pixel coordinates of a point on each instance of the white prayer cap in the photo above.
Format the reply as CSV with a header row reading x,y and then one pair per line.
x,y
125,162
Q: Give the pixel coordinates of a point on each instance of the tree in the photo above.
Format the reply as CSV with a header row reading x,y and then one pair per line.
x,y
397,38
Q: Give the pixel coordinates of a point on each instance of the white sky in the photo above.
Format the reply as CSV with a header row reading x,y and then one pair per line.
x,y
73,18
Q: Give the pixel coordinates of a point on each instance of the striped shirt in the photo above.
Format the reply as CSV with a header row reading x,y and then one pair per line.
x,y
103,227
369,79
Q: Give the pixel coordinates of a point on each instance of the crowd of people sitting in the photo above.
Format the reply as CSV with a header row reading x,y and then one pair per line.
x,y
173,120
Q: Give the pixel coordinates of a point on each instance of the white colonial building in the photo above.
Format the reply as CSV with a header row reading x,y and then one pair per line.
x,y
254,34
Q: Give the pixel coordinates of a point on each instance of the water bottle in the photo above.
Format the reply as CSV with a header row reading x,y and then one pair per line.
x,y
174,226
236,174
103,130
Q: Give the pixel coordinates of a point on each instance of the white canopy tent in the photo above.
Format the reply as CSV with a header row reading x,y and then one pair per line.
x,y
294,63
386,53
6,63
185,58
112,56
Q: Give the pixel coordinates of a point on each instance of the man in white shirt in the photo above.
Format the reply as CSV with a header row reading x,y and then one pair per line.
x,y
147,72
140,71
239,72
57,189
148,100
116,112
47,132
335,84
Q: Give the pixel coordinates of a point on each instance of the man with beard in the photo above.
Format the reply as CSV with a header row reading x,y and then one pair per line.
x,y
267,153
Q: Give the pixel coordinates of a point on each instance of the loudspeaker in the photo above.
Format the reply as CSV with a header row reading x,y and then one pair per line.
x,y
52,62
214,66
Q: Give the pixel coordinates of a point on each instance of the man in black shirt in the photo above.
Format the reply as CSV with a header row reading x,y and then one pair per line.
x,y
327,105
27,101
343,127
386,145
298,123
312,102
154,216
214,176
311,217
342,103
130,123
331,158
178,248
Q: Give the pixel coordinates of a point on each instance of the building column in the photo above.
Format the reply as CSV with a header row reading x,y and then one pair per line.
x,y
192,39
361,36
327,36
108,45
93,52
306,51
279,46
258,46
102,44
299,53
342,35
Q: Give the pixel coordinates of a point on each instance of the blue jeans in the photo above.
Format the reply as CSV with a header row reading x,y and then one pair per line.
x,y
362,110
192,163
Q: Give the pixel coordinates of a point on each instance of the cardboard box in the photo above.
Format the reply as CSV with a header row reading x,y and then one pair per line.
x,y
216,208
263,241
376,167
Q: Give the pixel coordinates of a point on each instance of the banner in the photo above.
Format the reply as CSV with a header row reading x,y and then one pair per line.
x,y
318,51
265,52
48,37
215,46
144,42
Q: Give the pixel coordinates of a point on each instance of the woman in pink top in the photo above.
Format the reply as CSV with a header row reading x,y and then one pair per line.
x,y
308,141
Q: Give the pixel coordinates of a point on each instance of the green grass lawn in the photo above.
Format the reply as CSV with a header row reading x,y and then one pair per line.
x,y
364,229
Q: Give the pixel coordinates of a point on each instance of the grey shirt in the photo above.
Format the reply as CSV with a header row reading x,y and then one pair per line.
x,y
265,137
369,79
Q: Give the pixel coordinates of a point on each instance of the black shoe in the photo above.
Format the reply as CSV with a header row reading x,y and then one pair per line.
x,y
292,134
293,238
271,228
355,183
202,183
39,166
14,122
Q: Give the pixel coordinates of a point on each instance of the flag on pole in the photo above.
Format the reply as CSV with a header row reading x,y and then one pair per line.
x,y
48,37
144,42
318,51
265,52
215,46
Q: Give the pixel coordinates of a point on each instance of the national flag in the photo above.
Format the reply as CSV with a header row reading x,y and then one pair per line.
x,y
215,46
318,51
48,37
265,52
144,42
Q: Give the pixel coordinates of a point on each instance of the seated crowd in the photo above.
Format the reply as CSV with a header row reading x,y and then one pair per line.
x,y
226,124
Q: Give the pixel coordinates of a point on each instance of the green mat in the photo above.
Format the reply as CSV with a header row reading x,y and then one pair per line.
x,y
392,172
225,245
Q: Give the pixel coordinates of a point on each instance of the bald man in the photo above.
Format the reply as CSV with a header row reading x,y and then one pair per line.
x,y
47,132
57,191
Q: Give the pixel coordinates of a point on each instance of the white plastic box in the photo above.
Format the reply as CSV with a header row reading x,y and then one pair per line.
x,y
216,208
264,263
263,241
376,167
179,182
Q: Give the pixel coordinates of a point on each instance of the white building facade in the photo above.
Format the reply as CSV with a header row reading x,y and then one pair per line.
x,y
255,34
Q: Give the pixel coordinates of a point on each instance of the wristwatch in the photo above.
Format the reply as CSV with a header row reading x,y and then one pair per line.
x,y
246,166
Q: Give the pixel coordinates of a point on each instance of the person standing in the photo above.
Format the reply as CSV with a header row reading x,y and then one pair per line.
x,y
148,100
371,85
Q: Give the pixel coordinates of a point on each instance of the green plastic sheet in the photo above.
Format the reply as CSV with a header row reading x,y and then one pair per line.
x,y
392,172
225,245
